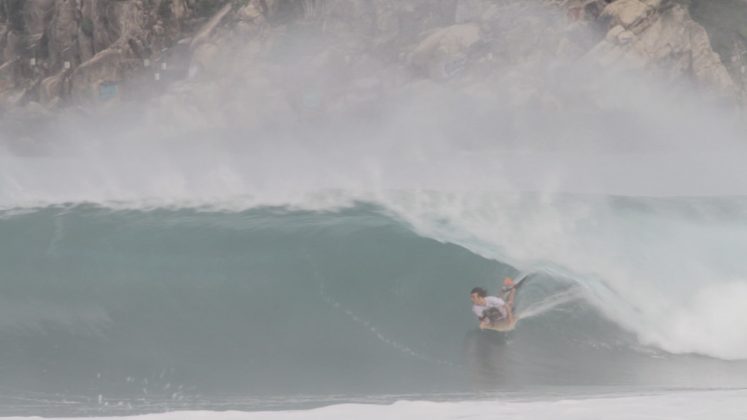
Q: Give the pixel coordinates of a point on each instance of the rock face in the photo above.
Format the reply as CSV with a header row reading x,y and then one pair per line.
x,y
63,50
78,51
660,37
443,52
726,24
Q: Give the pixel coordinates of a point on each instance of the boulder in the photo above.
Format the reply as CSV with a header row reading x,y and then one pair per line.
x,y
671,44
630,14
365,24
106,66
207,30
52,88
250,13
445,51
62,34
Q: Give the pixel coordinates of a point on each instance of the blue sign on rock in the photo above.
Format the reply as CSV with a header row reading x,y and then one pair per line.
x,y
108,90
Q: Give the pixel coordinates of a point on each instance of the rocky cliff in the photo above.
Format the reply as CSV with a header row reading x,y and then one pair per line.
x,y
64,50
58,52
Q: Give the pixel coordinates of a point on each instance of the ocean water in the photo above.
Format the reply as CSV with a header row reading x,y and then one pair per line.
x,y
117,311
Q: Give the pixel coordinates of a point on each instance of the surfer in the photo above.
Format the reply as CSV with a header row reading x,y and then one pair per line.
x,y
489,309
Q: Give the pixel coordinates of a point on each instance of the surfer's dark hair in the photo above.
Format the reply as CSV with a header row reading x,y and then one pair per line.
x,y
480,291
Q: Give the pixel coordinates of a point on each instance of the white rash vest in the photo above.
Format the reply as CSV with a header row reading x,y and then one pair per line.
x,y
490,302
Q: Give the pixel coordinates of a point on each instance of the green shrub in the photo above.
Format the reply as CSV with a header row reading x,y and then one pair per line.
x,y
207,8
14,10
164,9
86,25
239,3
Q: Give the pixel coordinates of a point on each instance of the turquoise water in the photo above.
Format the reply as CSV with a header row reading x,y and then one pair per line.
x,y
142,310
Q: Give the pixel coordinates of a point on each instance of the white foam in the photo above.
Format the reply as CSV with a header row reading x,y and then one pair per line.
x,y
547,304
695,405
669,271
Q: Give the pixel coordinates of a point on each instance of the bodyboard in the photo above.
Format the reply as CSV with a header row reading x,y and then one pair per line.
x,y
501,326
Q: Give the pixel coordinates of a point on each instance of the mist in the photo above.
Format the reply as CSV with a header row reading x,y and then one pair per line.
x,y
270,121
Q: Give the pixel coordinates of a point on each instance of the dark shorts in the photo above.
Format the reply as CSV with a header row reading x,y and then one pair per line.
x,y
492,314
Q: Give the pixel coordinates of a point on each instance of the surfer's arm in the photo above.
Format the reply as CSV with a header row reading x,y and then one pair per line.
x,y
509,296
509,313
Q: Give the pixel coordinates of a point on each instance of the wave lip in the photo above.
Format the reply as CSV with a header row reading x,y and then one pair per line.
x,y
665,268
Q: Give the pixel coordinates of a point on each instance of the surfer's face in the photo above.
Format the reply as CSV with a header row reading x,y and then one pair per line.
x,y
476,299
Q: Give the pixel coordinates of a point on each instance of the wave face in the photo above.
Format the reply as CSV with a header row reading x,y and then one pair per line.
x,y
173,303
263,301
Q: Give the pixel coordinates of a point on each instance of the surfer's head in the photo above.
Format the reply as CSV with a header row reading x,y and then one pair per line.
x,y
477,295
508,282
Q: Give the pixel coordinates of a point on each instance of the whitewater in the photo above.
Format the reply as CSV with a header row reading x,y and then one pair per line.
x,y
178,260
